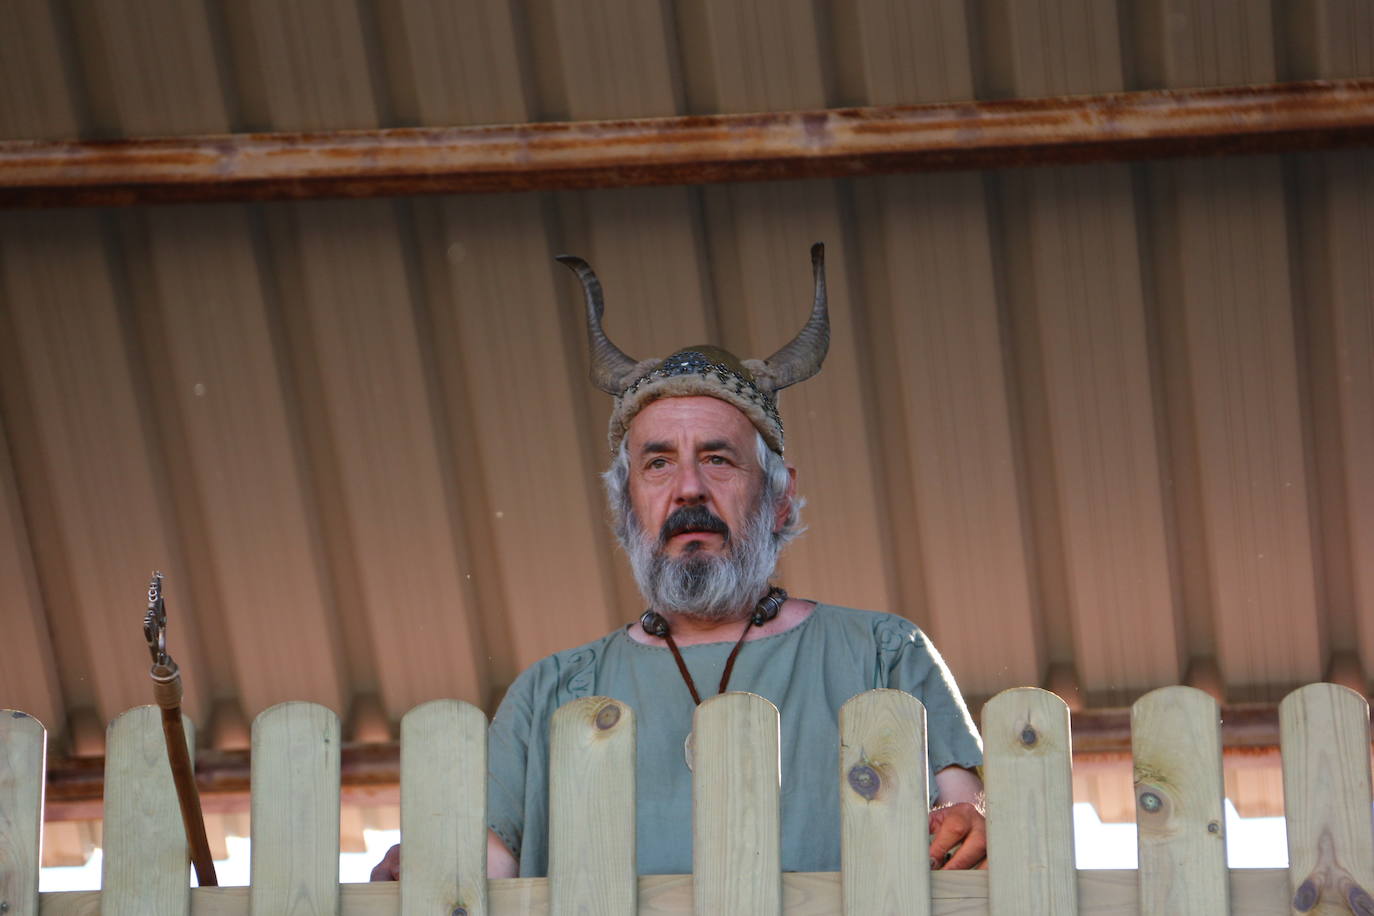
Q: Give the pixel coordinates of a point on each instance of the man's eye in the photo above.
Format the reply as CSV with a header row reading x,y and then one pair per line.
x,y
658,464
715,459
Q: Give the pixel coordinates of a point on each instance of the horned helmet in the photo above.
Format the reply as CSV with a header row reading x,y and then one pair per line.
x,y
750,384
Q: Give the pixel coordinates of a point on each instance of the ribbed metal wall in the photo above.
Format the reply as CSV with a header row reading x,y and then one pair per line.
x,y
1101,427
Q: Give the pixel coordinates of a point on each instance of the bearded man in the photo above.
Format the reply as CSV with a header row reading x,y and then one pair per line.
x,y
703,503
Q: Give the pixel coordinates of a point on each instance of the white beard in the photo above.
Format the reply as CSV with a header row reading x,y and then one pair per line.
x,y
701,585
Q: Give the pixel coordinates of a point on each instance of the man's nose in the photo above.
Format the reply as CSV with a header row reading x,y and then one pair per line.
x,y
690,488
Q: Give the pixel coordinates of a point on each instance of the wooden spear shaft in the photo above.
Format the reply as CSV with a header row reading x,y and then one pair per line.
x,y
167,693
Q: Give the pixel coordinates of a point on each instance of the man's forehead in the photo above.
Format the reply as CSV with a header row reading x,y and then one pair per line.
x,y
693,422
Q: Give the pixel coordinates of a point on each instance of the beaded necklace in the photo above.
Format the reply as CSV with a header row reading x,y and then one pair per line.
x,y
655,624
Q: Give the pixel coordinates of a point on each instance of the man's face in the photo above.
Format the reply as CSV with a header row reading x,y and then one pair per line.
x,y
693,466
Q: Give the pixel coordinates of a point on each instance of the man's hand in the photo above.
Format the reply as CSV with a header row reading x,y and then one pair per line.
x,y
389,869
500,862
962,829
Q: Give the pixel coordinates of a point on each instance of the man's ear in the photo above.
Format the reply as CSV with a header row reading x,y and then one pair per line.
x,y
785,504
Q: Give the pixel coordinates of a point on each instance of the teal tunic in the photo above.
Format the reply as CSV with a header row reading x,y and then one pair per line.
x,y
808,672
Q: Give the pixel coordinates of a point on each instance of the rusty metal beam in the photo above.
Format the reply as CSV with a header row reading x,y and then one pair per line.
x,y
690,150
1244,727
369,774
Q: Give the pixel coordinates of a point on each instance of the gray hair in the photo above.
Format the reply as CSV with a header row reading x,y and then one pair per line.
x,y
616,480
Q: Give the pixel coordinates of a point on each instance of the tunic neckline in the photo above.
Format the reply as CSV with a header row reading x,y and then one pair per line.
x,y
624,633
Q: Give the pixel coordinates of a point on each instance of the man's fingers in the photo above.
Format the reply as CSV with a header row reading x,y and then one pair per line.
x,y
962,826
973,851
389,869
946,833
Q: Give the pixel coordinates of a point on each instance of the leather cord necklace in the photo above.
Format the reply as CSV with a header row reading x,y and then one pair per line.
x,y
655,624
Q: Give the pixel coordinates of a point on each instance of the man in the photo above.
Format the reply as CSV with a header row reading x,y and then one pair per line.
x,y
703,503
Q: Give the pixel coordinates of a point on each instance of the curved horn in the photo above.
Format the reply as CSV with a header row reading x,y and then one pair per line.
x,y
609,363
802,358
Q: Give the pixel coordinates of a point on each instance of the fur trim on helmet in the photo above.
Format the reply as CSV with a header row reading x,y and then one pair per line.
x,y
695,371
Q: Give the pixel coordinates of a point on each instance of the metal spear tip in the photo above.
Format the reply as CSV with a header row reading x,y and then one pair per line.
x,y
155,622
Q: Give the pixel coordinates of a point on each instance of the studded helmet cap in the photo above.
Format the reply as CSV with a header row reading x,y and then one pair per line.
x,y
750,384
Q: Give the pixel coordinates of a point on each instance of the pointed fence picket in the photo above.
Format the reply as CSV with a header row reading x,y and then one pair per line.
x,y
1026,761
736,807
444,819
294,855
592,809
883,803
1180,823
1324,731
145,864
23,749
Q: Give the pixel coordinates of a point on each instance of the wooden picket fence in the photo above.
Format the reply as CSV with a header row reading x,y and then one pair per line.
x,y
883,786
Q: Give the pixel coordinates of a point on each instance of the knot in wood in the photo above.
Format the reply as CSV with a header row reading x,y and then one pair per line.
x,y
459,911
864,780
1361,904
1306,897
1029,736
1214,827
1151,802
607,716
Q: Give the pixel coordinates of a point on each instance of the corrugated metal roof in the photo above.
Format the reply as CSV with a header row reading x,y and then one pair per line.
x,y
1108,427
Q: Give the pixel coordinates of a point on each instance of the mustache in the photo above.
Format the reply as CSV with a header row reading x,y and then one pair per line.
x,y
692,518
